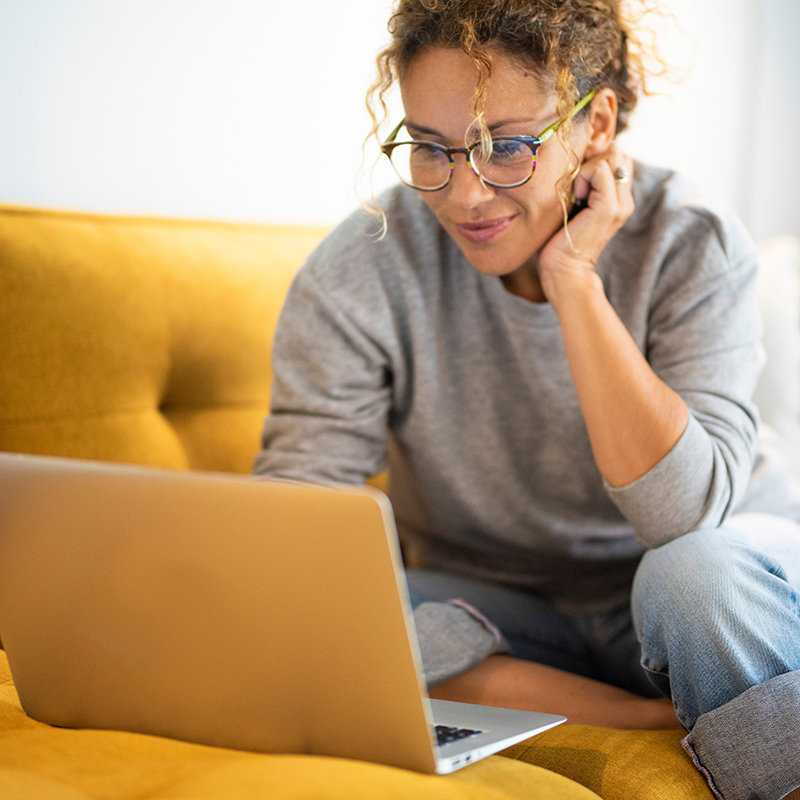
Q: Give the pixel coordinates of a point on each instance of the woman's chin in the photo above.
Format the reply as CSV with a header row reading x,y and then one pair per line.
x,y
493,270
497,265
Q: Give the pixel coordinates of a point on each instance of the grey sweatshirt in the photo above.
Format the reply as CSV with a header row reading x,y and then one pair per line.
x,y
397,351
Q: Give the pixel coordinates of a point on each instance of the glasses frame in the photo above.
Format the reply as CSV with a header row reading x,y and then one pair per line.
x,y
533,142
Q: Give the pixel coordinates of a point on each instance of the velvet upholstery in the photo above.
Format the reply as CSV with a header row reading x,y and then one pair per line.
x,y
43,763
139,340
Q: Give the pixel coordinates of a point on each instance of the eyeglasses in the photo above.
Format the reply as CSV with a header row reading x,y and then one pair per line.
x,y
428,166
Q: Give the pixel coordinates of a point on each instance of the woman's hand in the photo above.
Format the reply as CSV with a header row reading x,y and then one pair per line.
x,y
610,204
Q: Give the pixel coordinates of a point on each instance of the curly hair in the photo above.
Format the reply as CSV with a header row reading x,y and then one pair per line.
x,y
572,46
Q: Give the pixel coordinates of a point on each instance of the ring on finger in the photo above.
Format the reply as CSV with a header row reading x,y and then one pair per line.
x,y
621,175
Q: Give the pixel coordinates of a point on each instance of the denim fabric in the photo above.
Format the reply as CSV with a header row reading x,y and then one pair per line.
x,y
601,646
761,728
717,613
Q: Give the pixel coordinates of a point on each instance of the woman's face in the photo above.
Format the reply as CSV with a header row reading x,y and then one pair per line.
x,y
499,230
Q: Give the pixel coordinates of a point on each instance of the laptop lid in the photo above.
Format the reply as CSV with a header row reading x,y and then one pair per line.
x,y
218,609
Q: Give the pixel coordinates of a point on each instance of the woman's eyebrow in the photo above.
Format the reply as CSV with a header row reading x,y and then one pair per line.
x,y
493,127
421,129
503,123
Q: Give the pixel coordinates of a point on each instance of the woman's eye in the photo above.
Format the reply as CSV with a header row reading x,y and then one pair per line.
x,y
509,150
424,152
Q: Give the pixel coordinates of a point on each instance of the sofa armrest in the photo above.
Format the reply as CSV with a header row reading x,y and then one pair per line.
x,y
777,394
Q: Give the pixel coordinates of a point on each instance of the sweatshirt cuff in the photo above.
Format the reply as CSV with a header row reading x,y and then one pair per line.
x,y
671,498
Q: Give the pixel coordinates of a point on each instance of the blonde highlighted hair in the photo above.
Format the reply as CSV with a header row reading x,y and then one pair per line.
x,y
571,46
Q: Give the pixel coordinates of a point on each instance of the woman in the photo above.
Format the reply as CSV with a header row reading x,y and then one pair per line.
x,y
564,404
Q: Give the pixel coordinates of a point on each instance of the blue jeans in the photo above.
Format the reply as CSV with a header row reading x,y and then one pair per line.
x,y
714,623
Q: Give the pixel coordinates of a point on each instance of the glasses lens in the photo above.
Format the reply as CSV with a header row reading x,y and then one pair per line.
x,y
510,163
421,165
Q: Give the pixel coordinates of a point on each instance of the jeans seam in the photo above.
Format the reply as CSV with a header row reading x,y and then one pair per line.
x,y
700,768
664,673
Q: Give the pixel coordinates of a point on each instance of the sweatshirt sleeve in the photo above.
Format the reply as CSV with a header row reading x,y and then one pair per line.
x,y
703,341
332,381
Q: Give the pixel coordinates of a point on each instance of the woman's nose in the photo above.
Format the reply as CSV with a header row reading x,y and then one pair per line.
x,y
465,187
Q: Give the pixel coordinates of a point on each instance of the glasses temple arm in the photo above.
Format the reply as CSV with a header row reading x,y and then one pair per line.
x,y
584,101
393,135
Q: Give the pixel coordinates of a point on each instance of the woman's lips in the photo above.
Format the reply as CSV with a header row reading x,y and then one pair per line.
x,y
484,230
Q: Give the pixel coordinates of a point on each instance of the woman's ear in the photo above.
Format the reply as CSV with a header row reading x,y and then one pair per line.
x,y
601,125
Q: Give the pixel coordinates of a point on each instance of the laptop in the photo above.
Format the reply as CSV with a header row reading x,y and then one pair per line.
x,y
226,610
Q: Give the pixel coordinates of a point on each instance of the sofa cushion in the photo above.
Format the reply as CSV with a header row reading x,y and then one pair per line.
x,y
140,340
48,763
617,764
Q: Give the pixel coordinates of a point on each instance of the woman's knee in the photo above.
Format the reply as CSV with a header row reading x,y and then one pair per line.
x,y
697,575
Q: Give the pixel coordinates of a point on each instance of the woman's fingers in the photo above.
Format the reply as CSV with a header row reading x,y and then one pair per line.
x,y
604,183
600,177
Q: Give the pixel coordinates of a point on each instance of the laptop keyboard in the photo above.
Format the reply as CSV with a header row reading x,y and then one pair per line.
x,y
446,734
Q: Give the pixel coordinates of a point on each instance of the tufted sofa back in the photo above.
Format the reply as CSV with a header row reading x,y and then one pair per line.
x,y
139,340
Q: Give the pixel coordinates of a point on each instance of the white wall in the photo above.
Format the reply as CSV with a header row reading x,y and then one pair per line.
x,y
693,124
734,123
772,126
176,106
181,107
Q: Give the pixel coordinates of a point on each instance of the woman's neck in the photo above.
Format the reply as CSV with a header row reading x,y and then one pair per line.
x,y
524,282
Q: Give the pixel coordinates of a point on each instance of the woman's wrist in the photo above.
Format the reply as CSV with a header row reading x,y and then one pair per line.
x,y
569,289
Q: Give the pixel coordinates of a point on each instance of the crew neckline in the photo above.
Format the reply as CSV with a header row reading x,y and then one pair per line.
x,y
527,312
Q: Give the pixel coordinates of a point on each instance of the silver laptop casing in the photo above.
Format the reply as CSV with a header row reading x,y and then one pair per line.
x,y
219,609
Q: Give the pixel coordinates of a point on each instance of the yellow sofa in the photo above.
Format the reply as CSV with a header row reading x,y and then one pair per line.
x,y
147,341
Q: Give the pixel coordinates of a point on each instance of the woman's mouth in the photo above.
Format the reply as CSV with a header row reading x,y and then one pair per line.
x,y
484,230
